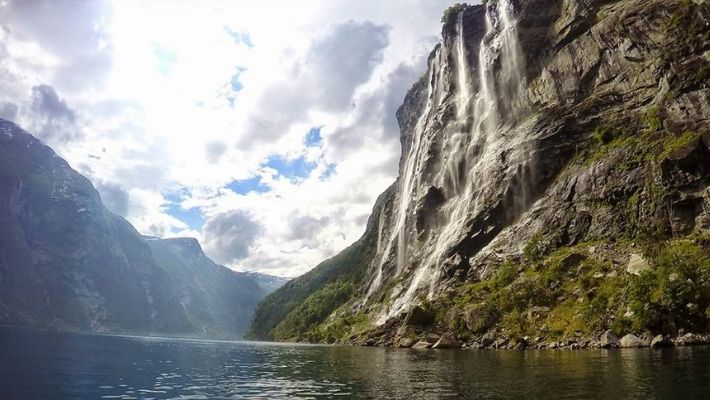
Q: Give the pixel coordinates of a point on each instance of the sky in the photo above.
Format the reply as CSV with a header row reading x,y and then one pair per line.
x,y
266,129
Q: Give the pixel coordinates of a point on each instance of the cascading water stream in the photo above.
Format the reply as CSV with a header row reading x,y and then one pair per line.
x,y
500,41
380,227
512,70
464,88
398,234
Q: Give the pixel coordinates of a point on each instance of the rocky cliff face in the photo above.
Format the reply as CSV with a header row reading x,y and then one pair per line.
x,y
66,262
548,144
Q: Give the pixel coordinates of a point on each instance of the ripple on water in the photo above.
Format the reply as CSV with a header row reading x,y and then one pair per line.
x,y
106,368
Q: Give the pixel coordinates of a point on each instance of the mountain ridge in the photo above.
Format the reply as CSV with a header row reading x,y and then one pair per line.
x,y
68,263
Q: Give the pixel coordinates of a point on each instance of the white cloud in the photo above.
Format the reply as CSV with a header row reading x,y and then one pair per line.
x,y
177,100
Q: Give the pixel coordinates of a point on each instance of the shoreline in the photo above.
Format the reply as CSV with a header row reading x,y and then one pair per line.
x,y
444,342
607,341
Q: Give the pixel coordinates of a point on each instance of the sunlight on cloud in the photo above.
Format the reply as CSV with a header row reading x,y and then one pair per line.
x,y
267,135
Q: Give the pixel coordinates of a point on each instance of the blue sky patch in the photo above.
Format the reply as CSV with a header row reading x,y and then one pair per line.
x,y
313,137
192,216
245,186
235,83
166,59
329,170
296,168
242,37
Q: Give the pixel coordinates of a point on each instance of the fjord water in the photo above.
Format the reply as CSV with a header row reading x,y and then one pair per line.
x,y
44,365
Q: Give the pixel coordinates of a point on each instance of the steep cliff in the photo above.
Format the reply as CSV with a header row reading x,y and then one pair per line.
x,y
66,262
554,175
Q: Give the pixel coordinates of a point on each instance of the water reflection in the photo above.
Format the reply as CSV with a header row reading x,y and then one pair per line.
x,y
49,365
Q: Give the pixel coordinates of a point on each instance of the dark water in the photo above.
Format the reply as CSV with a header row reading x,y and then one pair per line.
x,y
40,365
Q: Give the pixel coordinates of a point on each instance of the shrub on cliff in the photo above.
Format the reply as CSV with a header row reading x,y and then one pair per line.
x,y
674,294
452,12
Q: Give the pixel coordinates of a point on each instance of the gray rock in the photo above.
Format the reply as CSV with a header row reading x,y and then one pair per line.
x,y
478,318
637,264
432,338
690,339
631,341
404,342
419,316
488,339
661,341
421,345
608,339
447,342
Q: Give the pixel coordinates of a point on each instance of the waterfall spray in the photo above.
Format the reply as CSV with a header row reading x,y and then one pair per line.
x,y
476,149
405,187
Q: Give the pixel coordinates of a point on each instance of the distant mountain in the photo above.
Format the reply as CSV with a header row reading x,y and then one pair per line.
x,y
267,283
66,262
215,298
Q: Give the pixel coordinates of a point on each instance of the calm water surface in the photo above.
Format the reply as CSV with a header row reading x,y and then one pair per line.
x,y
41,365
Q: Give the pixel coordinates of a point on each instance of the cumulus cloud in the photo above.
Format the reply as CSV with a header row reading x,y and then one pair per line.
x,y
325,78
214,151
73,31
374,118
115,197
229,235
344,59
52,119
47,103
48,48
177,143
306,227
8,111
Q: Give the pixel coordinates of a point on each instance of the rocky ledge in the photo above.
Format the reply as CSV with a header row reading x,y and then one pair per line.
x,y
607,340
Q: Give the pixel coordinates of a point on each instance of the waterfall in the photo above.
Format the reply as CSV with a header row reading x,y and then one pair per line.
x,y
406,180
477,149
485,110
380,226
513,69
413,164
464,90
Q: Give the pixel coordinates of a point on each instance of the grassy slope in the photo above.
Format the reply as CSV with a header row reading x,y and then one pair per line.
x,y
292,310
